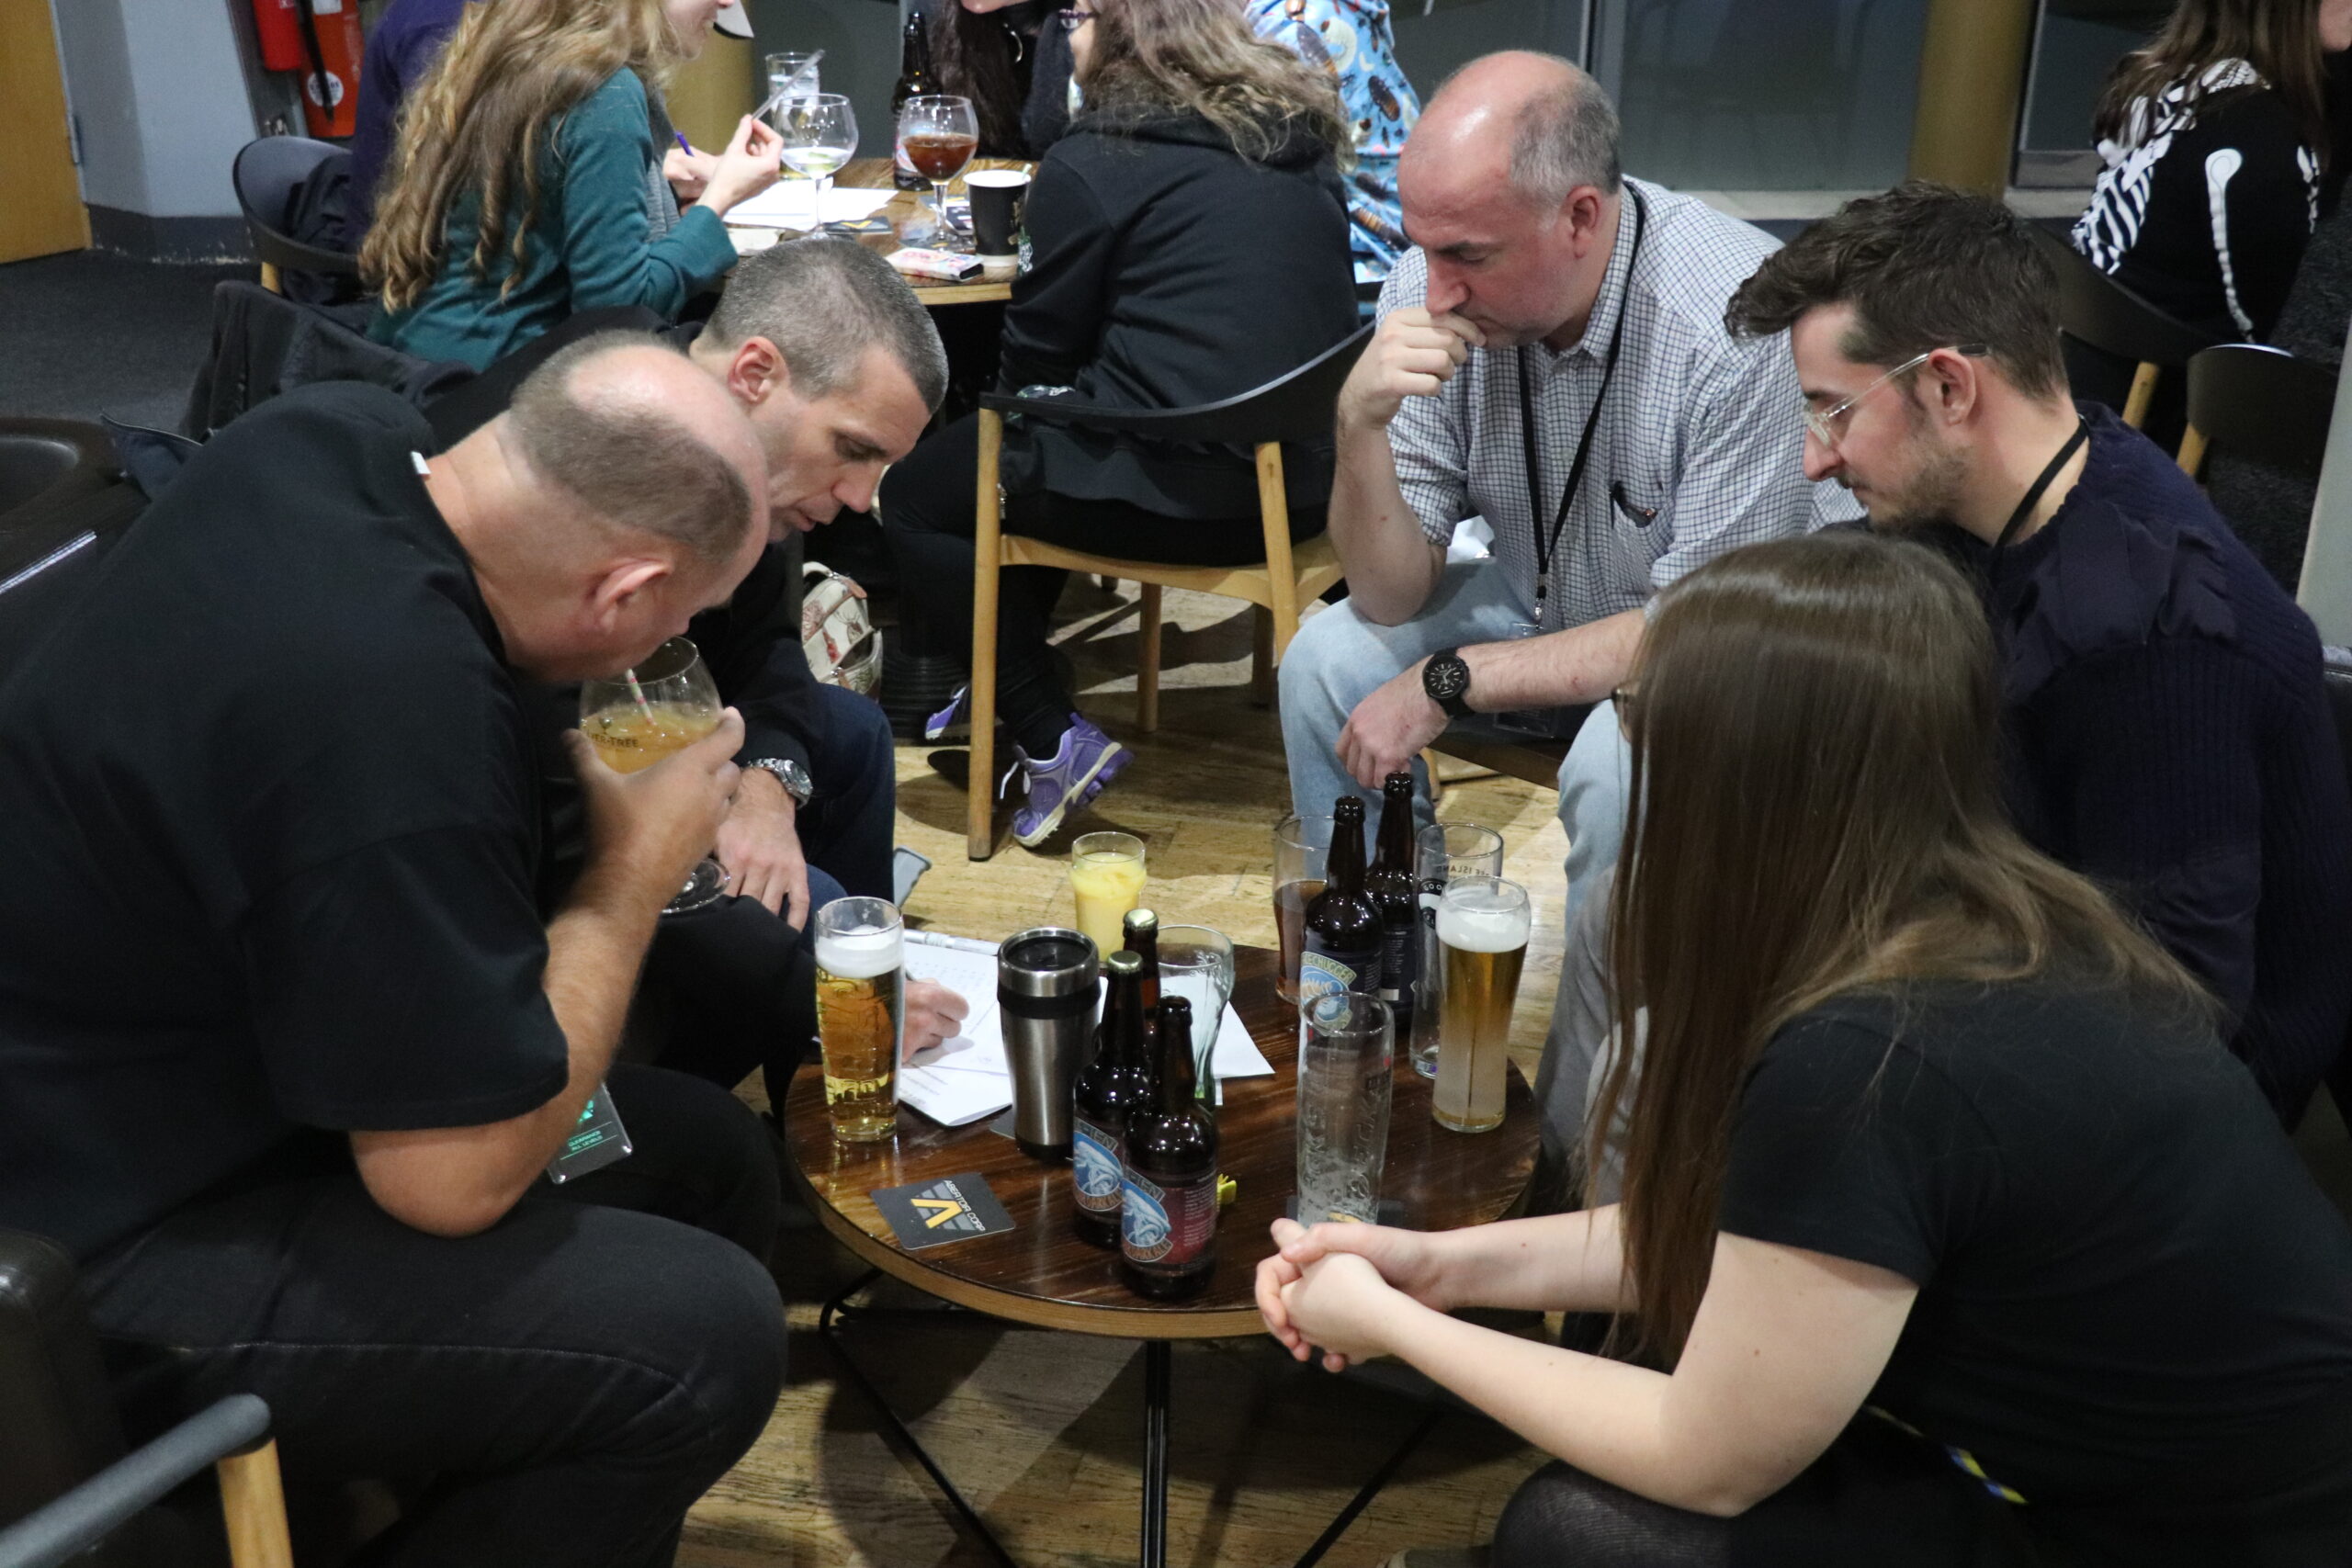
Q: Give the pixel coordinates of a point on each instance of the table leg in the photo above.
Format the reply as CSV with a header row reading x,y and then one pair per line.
x,y
1371,1489
1156,1357
838,1310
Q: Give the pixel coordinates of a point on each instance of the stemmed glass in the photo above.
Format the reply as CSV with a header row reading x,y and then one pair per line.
x,y
664,704
938,134
820,134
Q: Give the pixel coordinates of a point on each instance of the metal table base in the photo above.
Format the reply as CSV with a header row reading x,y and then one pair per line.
x,y
1158,1357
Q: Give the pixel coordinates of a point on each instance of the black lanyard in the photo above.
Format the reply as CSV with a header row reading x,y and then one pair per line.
x,y
1547,547
2033,496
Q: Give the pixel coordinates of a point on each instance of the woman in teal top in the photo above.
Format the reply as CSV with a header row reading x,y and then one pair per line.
x,y
545,115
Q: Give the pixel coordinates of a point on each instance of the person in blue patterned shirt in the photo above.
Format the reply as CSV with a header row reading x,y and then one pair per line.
x,y
1351,38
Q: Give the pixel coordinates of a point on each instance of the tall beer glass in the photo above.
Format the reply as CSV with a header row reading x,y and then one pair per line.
x,y
1482,928
861,1014
665,704
1302,855
1443,851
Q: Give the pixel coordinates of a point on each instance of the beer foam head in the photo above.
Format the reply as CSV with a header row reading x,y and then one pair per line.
x,y
858,956
1474,929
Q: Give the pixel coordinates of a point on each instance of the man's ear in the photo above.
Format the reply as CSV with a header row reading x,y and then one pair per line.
x,y
618,586
1954,382
758,372
1583,211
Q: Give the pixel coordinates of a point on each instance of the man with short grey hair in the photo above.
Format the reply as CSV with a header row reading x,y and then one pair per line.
x,y
1552,357
835,361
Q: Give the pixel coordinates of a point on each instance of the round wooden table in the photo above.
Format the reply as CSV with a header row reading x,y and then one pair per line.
x,y
1040,1274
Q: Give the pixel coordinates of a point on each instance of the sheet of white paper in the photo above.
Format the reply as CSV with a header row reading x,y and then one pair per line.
x,y
786,205
966,1078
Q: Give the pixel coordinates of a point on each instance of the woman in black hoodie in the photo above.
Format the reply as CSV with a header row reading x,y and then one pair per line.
x,y
1189,241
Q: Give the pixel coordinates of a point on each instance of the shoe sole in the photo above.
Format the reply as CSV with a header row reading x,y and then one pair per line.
x,y
1075,795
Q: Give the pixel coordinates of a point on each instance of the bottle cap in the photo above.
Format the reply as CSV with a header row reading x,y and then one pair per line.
x,y
1124,963
1140,920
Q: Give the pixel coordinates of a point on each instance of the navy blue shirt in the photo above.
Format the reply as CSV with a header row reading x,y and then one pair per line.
x,y
2168,736
406,43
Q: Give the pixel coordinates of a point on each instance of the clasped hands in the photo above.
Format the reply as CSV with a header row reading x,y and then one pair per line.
x,y
1337,1288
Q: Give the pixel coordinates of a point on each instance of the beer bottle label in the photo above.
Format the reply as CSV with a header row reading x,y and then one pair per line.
x,y
1322,969
1094,1167
1169,1226
1400,958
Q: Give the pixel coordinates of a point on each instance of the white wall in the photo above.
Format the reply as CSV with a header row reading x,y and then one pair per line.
x,y
160,93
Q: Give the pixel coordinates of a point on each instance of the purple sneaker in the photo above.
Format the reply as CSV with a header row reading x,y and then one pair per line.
x,y
943,725
1085,762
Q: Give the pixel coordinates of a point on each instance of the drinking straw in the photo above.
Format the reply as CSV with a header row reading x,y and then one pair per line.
x,y
781,92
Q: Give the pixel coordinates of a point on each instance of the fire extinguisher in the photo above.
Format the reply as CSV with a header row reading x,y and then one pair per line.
x,y
321,39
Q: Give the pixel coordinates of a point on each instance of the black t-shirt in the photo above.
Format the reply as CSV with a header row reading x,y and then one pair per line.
x,y
266,809
2124,1271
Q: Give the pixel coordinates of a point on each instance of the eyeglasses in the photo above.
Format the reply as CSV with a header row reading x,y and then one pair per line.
x,y
1828,424
1073,18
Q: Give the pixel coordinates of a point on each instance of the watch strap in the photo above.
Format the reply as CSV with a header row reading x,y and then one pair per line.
x,y
790,773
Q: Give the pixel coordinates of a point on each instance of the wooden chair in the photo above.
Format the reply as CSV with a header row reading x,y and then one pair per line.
x,y
265,172
1492,752
2260,403
1295,407
2095,309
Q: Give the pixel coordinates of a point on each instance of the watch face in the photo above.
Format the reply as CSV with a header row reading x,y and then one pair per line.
x,y
1447,678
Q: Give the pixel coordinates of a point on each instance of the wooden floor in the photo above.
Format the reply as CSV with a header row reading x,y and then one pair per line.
x,y
1044,1432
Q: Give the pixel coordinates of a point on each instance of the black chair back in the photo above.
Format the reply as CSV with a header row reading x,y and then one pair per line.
x,y
2101,312
2262,403
266,174
56,1420
45,460
1296,406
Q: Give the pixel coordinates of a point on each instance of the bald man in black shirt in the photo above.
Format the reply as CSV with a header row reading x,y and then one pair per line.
x,y
284,1043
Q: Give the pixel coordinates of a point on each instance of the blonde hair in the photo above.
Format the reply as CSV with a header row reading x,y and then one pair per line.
x,y
1201,55
480,123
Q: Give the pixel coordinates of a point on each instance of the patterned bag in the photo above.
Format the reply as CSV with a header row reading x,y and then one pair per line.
x,y
836,631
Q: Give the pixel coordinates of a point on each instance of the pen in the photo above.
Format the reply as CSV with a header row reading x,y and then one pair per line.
x,y
684,145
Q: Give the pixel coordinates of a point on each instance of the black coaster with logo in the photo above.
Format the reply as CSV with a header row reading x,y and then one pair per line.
x,y
951,1208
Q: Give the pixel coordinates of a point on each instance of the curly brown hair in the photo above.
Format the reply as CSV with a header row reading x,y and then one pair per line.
x,y
480,123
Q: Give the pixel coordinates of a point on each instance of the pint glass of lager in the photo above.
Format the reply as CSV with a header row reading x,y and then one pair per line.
x,y
861,1014
1482,926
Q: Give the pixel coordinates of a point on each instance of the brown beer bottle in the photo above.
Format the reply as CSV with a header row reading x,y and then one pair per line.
x,y
914,80
1390,883
1110,1087
1343,931
1167,1214
1141,929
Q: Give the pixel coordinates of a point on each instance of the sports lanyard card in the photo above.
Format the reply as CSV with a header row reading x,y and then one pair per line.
x,y
597,1140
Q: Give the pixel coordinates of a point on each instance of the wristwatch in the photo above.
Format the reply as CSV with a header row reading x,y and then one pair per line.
x,y
790,775
1446,679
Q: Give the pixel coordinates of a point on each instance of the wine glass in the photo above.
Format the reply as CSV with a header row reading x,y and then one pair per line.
x,y
820,134
938,134
664,704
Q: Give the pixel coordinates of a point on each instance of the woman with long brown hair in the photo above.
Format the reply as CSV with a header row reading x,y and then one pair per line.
x,y
1189,242
1951,1232
2215,135
525,185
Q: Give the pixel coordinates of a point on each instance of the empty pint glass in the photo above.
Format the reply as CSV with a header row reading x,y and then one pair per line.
x,y
861,1014
1346,1051
1441,852
1482,929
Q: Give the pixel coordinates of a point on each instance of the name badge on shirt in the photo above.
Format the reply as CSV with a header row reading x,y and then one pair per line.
x,y
597,1140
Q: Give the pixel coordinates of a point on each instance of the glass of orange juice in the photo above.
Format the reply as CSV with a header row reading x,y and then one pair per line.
x,y
1106,878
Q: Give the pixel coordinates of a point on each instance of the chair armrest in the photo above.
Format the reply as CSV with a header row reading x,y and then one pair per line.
x,y
110,1499
1085,416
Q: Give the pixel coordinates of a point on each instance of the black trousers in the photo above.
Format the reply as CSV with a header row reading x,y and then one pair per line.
x,y
571,1380
927,513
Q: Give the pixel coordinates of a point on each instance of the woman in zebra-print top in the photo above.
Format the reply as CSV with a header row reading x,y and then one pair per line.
x,y
2215,136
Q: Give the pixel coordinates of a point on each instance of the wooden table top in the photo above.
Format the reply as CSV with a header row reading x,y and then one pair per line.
x,y
1040,1273
875,173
